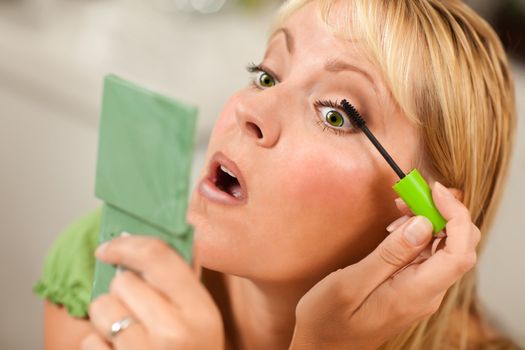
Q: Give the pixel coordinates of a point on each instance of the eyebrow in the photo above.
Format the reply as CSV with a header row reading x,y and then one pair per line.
x,y
290,44
334,65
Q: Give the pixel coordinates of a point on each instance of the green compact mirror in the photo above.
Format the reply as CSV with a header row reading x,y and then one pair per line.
x,y
145,152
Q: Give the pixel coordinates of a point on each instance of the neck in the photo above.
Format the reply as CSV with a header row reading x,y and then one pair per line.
x,y
262,314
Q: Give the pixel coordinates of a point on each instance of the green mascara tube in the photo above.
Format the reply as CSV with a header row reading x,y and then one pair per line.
x,y
415,192
412,187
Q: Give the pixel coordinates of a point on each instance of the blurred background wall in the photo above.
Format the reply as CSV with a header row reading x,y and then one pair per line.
x,y
53,55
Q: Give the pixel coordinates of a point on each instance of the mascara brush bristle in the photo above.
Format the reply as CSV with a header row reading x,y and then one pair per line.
x,y
353,114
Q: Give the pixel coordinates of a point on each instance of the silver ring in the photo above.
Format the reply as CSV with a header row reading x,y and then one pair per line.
x,y
120,325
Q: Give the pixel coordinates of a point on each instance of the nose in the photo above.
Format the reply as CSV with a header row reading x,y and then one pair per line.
x,y
256,122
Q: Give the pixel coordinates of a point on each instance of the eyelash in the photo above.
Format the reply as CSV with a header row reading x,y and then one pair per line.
x,y
257,68
335,105
253,68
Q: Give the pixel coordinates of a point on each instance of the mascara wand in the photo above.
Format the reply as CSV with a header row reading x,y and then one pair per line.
x,y
360,122
412,187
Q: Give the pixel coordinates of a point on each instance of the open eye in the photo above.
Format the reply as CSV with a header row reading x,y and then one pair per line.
x,y
264,80
333,117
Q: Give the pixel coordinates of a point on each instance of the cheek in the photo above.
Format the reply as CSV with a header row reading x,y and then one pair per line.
x,y
326,180
326,199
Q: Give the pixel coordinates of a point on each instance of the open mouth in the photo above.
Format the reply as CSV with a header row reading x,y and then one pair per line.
x,y
224,183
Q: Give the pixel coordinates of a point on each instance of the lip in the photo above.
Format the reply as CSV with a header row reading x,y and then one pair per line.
x,y
209,190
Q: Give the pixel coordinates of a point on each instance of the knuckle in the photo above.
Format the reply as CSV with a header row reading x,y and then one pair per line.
x,y
466,262
476,234
410,310
391,254
471,260
464,213
343,294
338,282
407,309
99,304
120,281
172,337
155,249
340,289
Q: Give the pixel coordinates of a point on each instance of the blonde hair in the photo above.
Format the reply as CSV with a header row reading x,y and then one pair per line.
x,y
448,73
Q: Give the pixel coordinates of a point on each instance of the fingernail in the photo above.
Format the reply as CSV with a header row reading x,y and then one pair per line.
x,y
396,223
101,248
418,230
441,234
398,201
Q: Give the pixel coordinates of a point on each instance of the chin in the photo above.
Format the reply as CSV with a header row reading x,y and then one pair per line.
x,y
210,248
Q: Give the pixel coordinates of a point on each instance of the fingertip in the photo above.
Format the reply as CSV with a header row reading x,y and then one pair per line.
x,y
436,186
113,245
397,223
446,203
101,249
442,191
400,203
439,195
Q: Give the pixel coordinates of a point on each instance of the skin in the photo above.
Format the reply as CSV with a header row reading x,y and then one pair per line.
x,y
310,240
334,189
59,323
330,186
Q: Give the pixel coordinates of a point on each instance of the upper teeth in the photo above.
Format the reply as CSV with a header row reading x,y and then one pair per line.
x,y
223,168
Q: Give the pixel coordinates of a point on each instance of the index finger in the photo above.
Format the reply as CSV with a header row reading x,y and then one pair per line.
x,y
155,261
461,237
391,255
447,265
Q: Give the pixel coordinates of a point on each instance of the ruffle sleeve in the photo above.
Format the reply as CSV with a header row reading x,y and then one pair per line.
x,y
69,266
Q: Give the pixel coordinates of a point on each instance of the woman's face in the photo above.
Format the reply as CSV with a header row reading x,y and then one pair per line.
x,y
314,194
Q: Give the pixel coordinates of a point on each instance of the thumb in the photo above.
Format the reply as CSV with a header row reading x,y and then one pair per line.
x,y
397,250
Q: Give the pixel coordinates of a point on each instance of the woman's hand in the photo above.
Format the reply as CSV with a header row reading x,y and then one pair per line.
x,y
365,304
171,309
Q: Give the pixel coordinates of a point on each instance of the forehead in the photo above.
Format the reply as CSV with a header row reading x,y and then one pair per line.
x,y
307,37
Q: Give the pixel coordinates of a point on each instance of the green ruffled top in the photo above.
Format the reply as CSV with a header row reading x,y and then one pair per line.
x,y
70,265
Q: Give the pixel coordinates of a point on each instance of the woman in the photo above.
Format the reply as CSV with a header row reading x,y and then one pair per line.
x,y
294,252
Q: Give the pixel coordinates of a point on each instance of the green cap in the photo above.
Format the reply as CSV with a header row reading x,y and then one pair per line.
x,y
415,192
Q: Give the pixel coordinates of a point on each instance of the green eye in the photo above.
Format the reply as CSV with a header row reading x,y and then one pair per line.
x,y
334,118
266,80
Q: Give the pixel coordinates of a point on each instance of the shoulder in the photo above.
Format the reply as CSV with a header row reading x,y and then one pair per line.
x,y
69,265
